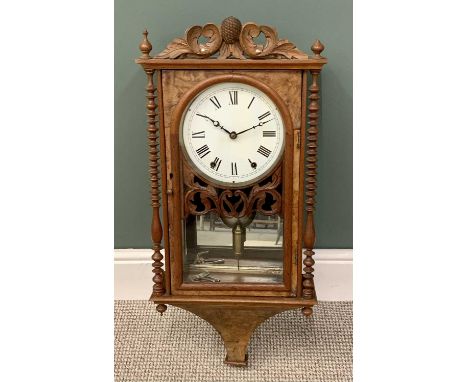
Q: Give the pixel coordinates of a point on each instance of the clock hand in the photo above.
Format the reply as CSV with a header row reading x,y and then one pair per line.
x,y
215,123
243,131
205,116
253,127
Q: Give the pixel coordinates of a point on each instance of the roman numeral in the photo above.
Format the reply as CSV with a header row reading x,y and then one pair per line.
x,y
233,97
248,107
263,116
233,168
203,151
199,134
215,102
269,133
216,163
264,151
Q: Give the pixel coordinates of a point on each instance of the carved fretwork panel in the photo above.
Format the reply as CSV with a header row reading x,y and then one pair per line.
x,y
201,198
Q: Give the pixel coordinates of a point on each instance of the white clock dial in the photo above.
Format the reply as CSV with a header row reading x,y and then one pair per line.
x,y
232,133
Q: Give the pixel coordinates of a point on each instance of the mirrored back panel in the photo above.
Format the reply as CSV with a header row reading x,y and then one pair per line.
x,y
232,250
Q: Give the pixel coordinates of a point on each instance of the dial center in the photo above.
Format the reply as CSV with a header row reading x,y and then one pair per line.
x,y
233,135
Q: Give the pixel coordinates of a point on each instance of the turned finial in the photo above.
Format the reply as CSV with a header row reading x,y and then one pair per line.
x,y
317,48
231,29
145,46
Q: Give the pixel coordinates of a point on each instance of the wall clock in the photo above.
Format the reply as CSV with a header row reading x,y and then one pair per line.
x,y
232,152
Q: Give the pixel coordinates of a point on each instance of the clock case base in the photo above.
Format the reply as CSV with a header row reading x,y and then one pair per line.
x,y
233,319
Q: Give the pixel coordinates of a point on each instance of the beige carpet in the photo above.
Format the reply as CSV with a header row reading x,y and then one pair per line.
x,y
179,346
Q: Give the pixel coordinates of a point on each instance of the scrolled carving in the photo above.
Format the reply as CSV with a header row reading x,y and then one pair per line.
x,y
261,200
200,199
251,31
207,195
273,48
233,203
191,46
259,195
231,40
210,31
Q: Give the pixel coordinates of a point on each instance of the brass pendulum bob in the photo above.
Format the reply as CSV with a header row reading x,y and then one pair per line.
x,y
238,233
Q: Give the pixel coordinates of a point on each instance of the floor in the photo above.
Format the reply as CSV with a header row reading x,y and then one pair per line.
x,y
180,346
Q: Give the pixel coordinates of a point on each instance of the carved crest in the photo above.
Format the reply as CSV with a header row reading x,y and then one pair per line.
x,y
231,40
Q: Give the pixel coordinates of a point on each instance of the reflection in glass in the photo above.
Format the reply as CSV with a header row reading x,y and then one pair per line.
x,y
248,250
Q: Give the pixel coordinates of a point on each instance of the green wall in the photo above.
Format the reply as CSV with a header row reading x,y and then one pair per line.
x,y
300,21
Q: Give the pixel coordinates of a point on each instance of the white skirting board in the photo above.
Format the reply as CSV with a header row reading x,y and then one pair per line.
x,y
333,274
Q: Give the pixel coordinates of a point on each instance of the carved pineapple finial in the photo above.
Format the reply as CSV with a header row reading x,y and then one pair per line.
x,y
317,48
145,46
231,29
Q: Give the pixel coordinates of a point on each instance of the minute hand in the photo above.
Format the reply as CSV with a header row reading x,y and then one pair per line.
x,y
253,127
215,123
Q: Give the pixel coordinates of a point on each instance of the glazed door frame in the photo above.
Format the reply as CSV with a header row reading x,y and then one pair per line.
x,y
175,197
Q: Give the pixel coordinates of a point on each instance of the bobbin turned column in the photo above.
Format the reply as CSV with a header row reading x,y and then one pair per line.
x,y
154,164
308,291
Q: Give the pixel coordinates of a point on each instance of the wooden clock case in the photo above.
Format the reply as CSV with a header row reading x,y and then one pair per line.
x,y
281,71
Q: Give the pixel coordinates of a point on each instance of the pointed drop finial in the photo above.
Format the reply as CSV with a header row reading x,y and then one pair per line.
x,y
161,308
145,46
317,48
